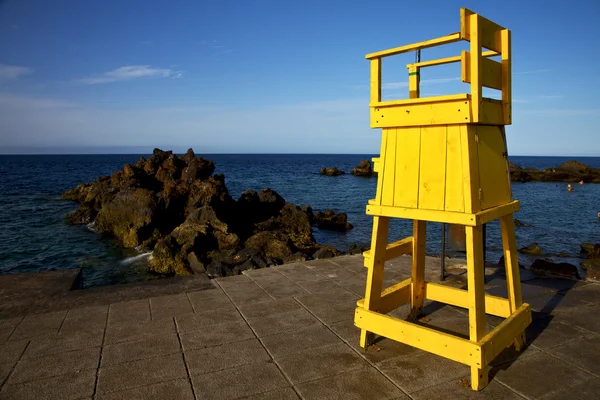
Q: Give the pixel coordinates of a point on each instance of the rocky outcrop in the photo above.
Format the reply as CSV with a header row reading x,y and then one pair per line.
x,y
533,249
331,172
329,220
570,171
549,267
364,168
175,207
521,223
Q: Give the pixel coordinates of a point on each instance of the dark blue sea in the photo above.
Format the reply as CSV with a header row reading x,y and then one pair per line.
x,y
35,237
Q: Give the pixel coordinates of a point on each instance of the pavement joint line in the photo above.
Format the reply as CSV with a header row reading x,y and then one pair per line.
x,y
187,296
568,362
291,281
510,388
2,384
101,351
14,329
150,309
63,321
287,378
358,352
185,363
253,281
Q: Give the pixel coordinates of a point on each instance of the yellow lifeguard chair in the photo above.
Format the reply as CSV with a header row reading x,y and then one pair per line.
x,y
444,159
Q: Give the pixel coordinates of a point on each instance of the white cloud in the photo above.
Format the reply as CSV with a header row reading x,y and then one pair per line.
x,y
11,72
131,72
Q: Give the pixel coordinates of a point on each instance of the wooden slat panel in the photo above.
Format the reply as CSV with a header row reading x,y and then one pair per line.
x,y
407,167
470,168
506,77
491,71
489,31
421,114
448,217
375,80
455,199
389,178
493,167
381,166
432,176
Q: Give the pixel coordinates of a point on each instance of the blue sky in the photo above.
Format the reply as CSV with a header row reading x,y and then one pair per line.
x,y
271,76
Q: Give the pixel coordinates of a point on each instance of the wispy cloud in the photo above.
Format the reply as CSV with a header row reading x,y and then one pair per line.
x,y
398,85
12,72
131,72
535,71
215,47
561,112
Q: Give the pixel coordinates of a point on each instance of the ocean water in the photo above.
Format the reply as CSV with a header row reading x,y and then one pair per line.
x,y
35,237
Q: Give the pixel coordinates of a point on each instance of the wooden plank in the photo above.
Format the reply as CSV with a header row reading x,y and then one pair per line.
x,y
490,31
455,198
432,176
417,293
494,305
421,337
382,151
491,71
476,296
455,37
407,167
427,114
389,171
395,249
470,168
491,112
433,99
375,274
414,81
506,76
493,167
448,60
491,214
504,334
392,297
375,80
475,67
422,214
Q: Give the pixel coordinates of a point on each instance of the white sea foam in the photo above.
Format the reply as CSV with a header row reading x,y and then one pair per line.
x,y
130,260
90,226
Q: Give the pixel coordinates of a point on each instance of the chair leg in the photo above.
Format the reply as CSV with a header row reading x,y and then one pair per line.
x,y
476,293
375,264
417,296
511,263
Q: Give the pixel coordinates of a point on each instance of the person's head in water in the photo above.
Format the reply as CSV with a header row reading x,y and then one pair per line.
x,y
581,182
569,187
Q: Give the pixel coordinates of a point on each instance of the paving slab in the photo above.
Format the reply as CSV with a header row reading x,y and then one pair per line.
x,y
283,290
323,286
584,353
239,382
421,370
583,317
461,389
5,370
7,326
361,384
208,317
283,322
10,352
277,394
269,308
531,375
136,310
53,365
549,332
330,309
82,319
170,306
230,355
584,390
214,335
141,373
207,300
36,325
131,331
298,341
171,390
245,293
73,385
47,345
320,362
149,347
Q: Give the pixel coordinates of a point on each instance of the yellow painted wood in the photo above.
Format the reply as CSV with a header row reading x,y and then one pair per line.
x,y
392,297
375,275
375,80
475,67
454,196
490,38
395,249
470,169
476,295
380,173
389,180
494,305
407,167
376,162
511,265
455,37
491,112
493,167
421,114
414,81
417,293
491,214
421,337
448,60
506,76
432,176
423,215
503,335
491,71
422,100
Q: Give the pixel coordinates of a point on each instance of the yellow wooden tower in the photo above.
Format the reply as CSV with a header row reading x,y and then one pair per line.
x,y
444,159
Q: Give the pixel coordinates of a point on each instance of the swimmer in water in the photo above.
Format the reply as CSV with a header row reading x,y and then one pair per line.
x,y
570,188
581,182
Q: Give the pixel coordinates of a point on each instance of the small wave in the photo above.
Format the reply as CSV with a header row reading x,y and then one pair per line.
x,y
90,226
130,260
